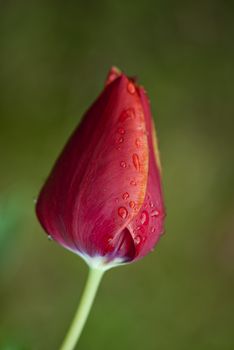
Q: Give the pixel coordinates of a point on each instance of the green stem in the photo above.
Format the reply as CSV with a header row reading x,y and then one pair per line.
x,y
93,281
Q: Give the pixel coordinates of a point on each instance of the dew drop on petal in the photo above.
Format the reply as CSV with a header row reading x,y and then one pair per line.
x,y
140,229
50,238
136,161
110,241
153,229
131,88
144,218
137,239
122,212
155,213
131,204
127,114
125,195
133,183
120,140
121,131
137,143
123,164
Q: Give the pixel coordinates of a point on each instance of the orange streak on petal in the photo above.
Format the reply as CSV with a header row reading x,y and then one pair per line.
x,y
155,146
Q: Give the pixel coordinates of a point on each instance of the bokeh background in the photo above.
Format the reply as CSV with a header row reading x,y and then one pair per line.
x,y
54,56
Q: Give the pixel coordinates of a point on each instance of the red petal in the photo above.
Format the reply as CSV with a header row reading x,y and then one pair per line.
x,y
98,184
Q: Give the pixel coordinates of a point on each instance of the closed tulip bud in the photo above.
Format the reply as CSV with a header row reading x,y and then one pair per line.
x,y
103,198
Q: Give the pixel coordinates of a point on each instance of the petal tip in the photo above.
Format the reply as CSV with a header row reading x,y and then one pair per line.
x,y
113,74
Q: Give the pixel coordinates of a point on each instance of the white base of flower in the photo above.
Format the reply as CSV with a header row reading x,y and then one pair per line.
x,y
101,262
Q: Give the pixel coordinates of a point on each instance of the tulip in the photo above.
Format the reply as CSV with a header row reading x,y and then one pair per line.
x,y
103,199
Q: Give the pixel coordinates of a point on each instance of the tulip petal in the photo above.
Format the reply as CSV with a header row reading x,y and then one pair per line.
x,y
98,184
113,74
147,226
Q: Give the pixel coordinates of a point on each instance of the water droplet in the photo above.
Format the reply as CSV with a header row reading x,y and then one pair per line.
x,y
137,239
151,204
131,204
136,161
131,88
155,213
123,164
133,183
137,143
122,212
109,241
153,229
144,218
125,195
120,140
121,131
141,230
127,114
50,238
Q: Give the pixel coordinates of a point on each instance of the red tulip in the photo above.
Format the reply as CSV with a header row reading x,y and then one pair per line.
x,y
103,199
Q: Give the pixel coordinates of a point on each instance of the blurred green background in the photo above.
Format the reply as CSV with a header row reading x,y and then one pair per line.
x,y
54,56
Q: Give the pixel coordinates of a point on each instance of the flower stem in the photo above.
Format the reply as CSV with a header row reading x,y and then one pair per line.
x,y
91,287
